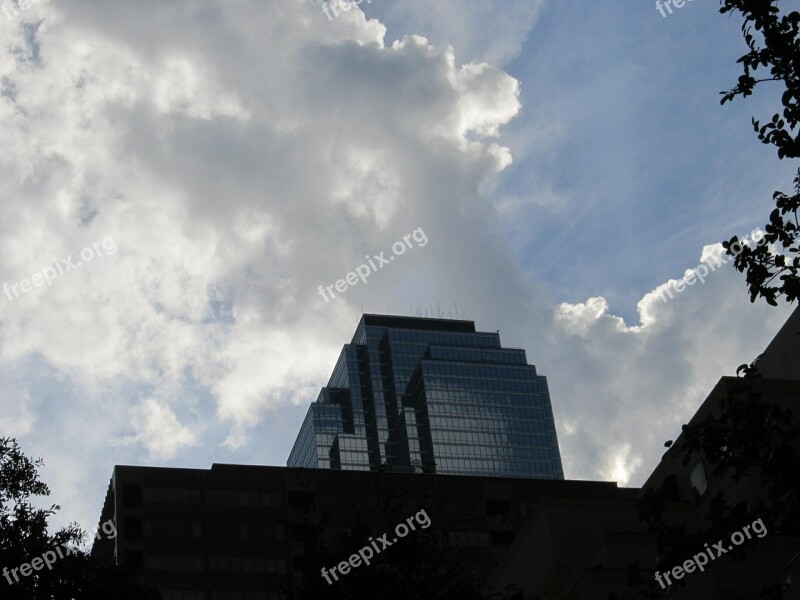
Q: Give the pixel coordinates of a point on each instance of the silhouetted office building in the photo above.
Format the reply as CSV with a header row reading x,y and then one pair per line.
x,y
431,395
248,532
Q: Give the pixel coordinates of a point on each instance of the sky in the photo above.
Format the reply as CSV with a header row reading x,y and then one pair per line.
x,y
179,178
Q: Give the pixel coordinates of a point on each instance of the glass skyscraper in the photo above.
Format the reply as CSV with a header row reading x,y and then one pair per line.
x,y
431,395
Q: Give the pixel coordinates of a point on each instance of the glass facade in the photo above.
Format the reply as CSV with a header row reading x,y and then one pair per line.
x,y
431,395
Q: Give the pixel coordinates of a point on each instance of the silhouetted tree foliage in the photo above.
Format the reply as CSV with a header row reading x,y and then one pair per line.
x,y
24,536
749,439
773,269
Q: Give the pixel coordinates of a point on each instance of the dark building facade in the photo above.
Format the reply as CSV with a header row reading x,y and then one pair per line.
x,y
431,395
248,532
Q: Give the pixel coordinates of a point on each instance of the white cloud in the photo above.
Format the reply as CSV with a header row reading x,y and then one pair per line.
x,y
620,391
578,318
621,464
158,429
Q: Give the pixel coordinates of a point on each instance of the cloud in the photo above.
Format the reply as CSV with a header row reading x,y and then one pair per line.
x,y
621,464
578,318
158,429
621,390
